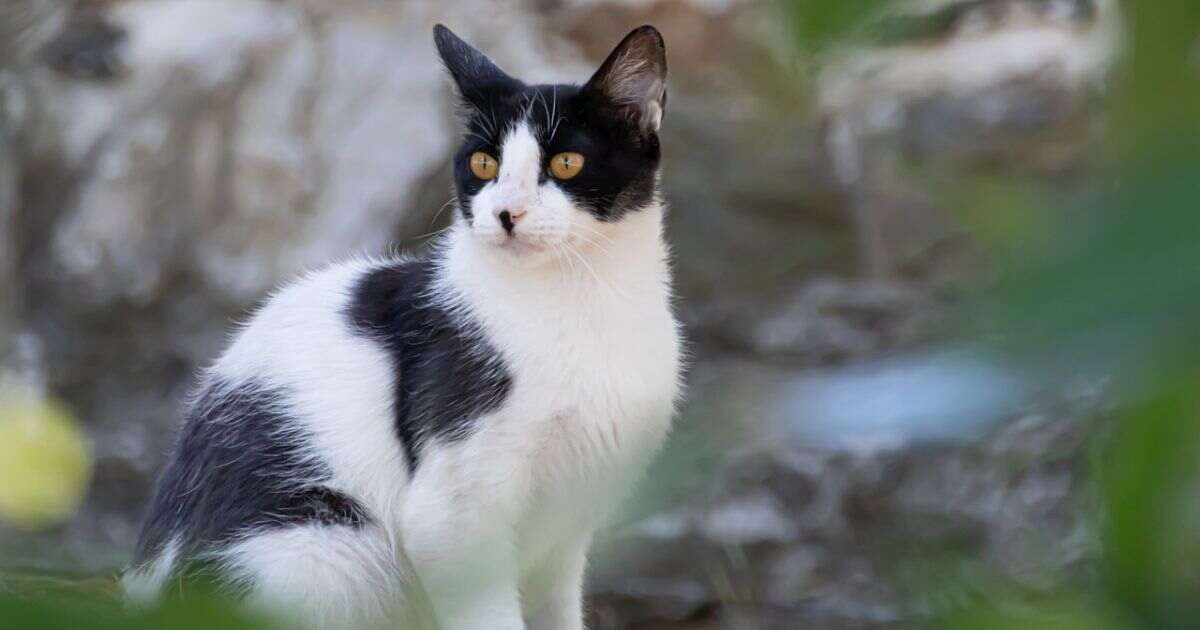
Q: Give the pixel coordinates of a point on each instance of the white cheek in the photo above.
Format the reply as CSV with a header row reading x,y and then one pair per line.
x,y
551,218
483,207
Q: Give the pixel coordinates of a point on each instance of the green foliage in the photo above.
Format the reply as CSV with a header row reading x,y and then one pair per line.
x,y
1149,478
37,601
59,613
817,23
1078,617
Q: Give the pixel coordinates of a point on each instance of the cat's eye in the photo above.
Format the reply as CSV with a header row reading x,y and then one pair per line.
x,y
483,165
566,165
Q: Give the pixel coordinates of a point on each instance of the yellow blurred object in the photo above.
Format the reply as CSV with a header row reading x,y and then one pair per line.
x,y
45,464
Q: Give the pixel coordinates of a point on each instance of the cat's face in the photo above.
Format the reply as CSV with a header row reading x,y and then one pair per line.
x,y
547,168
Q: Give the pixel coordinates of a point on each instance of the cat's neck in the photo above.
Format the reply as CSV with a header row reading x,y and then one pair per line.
x,y
631,263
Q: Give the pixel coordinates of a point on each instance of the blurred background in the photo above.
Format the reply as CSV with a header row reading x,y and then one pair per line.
x,y
938,261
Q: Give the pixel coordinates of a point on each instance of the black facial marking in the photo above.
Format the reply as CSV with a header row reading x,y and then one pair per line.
x,y
240,464
609,121
621,164
447,373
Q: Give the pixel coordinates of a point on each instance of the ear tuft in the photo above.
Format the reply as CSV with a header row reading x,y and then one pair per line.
x,y
634,78
472,71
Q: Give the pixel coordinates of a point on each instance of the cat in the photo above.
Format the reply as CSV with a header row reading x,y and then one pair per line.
x,y
451,428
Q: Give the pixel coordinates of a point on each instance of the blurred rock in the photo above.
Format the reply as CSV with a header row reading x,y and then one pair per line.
x,y
833,319
992,85
853,541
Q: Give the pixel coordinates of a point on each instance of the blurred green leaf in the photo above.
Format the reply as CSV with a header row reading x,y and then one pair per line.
x,y
1149,476
1078,616
817,23
59,613
1156,100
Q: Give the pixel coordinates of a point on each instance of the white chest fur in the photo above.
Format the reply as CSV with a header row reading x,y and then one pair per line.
x,y
594,355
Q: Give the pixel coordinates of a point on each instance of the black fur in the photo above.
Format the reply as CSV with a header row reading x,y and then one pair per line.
x,y
239,465
621,154
447,373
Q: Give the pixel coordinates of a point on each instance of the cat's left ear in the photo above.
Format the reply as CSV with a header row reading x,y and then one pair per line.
x,y
473,73
634,78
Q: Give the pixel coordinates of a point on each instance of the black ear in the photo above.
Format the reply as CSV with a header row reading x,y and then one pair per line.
x,y
473,72
634,78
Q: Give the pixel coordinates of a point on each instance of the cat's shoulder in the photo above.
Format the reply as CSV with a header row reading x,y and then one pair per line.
x,y
333,284
313,310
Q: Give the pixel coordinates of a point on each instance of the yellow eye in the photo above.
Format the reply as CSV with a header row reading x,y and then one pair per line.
x,y
566,165
483,165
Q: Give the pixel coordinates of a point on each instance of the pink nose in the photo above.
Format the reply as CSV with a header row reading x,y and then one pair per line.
x,y
510,218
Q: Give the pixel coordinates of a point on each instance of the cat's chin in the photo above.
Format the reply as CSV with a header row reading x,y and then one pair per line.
x,y
521,253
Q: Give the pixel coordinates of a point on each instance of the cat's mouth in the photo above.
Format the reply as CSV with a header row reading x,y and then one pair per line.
x,y
518,246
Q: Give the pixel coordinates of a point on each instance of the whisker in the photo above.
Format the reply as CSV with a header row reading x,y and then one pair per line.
x,y
545,110
558,261
489,129
485,139
441,210
614,290
566,250
594,231
590,269
557,119
591,242
428,234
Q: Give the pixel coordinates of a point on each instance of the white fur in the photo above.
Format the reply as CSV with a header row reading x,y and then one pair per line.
x,y
320,576
144,585
596,355
495,527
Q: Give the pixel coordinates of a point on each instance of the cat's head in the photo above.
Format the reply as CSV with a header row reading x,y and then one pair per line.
x,y
542,166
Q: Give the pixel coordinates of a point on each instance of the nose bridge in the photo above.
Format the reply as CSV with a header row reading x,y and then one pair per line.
x,y
517,186
520,162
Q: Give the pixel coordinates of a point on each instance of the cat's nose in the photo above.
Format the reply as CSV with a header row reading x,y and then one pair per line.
x,y
509,217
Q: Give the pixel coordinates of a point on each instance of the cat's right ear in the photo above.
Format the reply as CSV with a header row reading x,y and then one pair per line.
x,y
474,74
633,79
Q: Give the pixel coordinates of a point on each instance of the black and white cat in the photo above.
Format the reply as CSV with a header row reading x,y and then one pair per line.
x,y
460,423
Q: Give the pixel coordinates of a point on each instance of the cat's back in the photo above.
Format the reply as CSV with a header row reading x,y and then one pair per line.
x,y
310,340
289,428
298,373
302,333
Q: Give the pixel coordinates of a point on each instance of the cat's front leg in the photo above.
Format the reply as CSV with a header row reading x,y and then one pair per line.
x,y
553,595
458,533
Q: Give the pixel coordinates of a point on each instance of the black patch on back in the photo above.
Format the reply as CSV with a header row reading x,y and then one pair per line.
x,y
447,373
239,465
